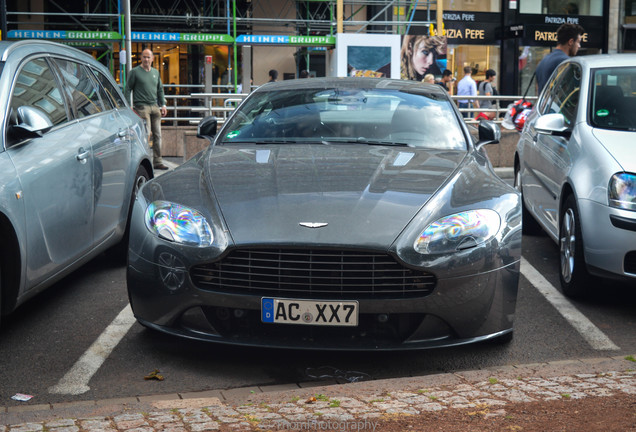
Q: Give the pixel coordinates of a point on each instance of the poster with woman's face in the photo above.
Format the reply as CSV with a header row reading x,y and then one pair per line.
x,y
421,55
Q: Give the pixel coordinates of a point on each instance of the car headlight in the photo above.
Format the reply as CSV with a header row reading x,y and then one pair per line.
x,y
622,191
178,223
458,231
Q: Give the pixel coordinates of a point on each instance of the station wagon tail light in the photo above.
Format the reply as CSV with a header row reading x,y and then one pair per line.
x,y
622,191
458,232
179,224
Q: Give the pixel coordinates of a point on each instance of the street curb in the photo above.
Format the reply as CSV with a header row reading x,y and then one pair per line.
x,y
363,391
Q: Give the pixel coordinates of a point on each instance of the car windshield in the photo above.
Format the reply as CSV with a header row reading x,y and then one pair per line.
x,y
369,116
613,99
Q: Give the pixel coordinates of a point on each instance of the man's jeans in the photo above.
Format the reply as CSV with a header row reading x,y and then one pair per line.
x,y
152,115
466,105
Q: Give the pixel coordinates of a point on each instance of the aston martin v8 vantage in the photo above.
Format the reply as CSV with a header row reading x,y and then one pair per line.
x,y
336,213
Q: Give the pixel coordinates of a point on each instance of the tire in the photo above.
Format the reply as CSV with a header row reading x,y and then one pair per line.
x,y
120,251
529,224
576,281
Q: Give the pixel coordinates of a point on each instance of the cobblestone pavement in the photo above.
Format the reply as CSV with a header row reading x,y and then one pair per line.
x,y
330,406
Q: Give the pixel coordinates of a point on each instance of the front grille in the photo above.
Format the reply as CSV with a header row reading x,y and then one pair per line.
x,y
312,274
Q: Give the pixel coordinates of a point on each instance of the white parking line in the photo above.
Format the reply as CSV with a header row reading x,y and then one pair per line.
x,y
595,337
76,380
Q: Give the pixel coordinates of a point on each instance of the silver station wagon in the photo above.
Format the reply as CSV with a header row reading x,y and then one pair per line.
x,y
72,156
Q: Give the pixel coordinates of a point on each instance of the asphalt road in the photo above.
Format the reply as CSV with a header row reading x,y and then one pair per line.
x,y
45,338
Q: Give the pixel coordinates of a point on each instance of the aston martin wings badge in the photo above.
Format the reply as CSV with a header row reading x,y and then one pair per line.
x,y
313,224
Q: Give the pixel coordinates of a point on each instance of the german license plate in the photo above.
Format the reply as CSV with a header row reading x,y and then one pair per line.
x,y
309,312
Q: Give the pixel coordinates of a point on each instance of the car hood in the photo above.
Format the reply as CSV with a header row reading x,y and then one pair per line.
x,y
620,144
324,195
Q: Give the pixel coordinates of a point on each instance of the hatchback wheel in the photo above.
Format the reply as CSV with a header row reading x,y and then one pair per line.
x,y
575,279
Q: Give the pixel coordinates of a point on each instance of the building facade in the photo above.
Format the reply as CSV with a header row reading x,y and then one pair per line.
x,y
247,38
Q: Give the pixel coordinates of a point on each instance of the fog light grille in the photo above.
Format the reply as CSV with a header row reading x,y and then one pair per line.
x,y
630,262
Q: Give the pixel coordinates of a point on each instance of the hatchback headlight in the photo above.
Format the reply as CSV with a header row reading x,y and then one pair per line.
x,y
178,224
622,191
458,231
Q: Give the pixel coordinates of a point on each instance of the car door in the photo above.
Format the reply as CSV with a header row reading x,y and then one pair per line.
x,y
532,181
549,158
55,171
110,144
117,162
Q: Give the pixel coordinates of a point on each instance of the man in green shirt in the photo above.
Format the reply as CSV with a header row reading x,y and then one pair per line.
x,y
148,101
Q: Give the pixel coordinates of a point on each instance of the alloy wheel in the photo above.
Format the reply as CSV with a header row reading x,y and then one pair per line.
x,y
567,243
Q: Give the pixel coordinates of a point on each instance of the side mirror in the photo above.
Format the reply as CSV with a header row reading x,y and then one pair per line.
x,y
32,122
489,133
552,124
207,128
34,118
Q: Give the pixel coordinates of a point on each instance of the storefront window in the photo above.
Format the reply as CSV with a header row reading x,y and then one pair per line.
x,y
529,58
473,5
562,7
629,27
479,58
167,60
177,68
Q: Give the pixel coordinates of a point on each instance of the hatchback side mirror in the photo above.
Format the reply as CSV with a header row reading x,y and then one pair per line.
x,y
207,128
552,124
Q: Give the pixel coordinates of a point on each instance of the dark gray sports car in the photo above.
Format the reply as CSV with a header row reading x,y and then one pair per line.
x,y
337,213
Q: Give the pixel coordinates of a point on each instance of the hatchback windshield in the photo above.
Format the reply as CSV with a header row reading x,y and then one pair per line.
x,y
613,99
347,116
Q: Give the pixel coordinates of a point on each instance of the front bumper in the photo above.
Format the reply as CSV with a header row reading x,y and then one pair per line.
x,y
459,310
610,245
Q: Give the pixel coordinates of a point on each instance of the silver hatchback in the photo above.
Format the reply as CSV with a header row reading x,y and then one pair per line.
x,y
576,166
72,156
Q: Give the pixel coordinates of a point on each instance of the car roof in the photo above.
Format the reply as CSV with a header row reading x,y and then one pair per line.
x,y
605,60
35,46
15,52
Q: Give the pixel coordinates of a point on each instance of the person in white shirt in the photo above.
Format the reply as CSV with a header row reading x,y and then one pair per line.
x,y
467,87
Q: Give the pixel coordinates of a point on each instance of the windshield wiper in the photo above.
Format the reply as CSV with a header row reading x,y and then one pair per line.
x,y
258,141
363,140
276,141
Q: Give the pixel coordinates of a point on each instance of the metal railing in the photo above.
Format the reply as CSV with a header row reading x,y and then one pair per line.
x,y
187,105
499,107
189,109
